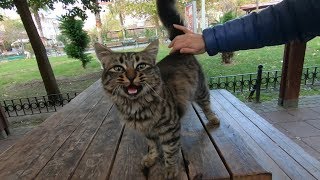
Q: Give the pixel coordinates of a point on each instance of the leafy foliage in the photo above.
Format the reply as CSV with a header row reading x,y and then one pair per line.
x,y
77,38
227,16
13,30
39,4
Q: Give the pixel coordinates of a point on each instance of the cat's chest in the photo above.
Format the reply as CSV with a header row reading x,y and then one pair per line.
x,y
142,119
140,126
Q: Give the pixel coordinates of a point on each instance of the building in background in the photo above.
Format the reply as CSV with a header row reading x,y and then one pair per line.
x,y
50,27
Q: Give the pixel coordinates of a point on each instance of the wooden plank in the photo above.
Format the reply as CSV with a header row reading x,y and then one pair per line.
x,y
257,152
291,149
4,124
156,171
132,148
40,132
234,151
67,158
47,138
98,159
198,150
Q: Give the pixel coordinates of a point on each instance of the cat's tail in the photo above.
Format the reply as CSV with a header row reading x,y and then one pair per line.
x,y
169,15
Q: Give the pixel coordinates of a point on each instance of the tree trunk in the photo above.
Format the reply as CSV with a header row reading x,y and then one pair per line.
x,y
227,57
98,25
44,66
38,22
122,24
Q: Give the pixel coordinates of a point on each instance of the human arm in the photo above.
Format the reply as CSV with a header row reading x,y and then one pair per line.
x,y
278,24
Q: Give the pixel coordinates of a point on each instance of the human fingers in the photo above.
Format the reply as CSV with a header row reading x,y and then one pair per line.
x,y
176,47
182,28
192,51
175,40
188,51
172,43
179,44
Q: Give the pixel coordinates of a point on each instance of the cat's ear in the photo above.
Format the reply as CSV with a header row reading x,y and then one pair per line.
x,y
152,49
103,53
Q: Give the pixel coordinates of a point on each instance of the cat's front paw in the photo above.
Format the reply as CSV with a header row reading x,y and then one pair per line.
x,y
148,161
171,172
213,119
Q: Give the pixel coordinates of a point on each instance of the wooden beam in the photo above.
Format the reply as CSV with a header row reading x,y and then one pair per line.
x,y
292,68
4,125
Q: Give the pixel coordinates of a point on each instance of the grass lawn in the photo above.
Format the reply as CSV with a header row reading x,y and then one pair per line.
x,y
21,78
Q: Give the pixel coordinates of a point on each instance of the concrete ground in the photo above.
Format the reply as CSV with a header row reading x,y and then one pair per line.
x,y
301,124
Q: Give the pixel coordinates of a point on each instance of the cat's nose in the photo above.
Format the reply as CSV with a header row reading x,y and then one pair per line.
x,y
131,74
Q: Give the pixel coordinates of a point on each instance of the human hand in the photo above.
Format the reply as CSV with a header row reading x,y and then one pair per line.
x,y
187,43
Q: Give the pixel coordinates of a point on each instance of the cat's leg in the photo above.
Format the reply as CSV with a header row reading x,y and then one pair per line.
x,y
203,100
149,159
171,150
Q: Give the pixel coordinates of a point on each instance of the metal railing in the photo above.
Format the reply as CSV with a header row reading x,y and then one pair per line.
x,y
251,82
36,105
262,80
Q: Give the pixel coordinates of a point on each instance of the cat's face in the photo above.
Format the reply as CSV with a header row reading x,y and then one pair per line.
x,y
129,74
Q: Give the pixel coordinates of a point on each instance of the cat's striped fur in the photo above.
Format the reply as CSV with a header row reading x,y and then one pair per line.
x,y
152,97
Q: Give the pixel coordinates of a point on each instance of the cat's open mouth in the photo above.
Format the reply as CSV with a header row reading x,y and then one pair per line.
x,y
133,89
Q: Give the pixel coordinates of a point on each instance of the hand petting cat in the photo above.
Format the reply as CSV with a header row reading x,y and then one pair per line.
x,y
189,43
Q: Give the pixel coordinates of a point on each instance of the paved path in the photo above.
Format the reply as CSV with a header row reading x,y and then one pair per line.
x,y
300,124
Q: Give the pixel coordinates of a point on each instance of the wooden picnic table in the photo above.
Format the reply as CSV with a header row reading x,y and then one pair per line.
x,y
4,125
84,140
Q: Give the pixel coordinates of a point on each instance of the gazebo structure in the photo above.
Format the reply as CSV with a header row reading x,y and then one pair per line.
x,y
292,66
248,8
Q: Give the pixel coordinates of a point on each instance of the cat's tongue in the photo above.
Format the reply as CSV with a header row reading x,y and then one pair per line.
x,y
132,90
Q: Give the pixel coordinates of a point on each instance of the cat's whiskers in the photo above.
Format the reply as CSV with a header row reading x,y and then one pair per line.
x,y
149,86
115,90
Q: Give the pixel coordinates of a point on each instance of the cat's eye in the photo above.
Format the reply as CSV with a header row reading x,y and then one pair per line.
x,y
141,66
117,69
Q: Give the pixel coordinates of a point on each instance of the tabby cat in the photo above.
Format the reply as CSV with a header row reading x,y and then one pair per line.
x,y
152,97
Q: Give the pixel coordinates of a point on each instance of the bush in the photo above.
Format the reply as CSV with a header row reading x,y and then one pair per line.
x,y
77,39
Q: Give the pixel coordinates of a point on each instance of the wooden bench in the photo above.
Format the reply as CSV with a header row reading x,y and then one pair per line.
x,y
85,140
4,125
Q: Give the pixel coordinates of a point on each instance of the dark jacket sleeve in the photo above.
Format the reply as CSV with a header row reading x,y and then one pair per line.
x,y
278,24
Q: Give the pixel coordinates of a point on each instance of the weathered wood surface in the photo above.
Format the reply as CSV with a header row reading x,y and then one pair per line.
x,y
4,125
292,68
267,143
85,140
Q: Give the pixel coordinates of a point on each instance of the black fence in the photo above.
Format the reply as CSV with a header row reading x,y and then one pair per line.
x,y
36,105
269,80
251,82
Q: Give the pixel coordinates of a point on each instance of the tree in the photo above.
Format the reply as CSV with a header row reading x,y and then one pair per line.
x,y
44,66
45,69
35,6
119,7
13,30
98,24
77,38
227,56
144,9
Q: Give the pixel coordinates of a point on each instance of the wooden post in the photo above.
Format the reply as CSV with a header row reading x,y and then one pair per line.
x,y
4,125
292,67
